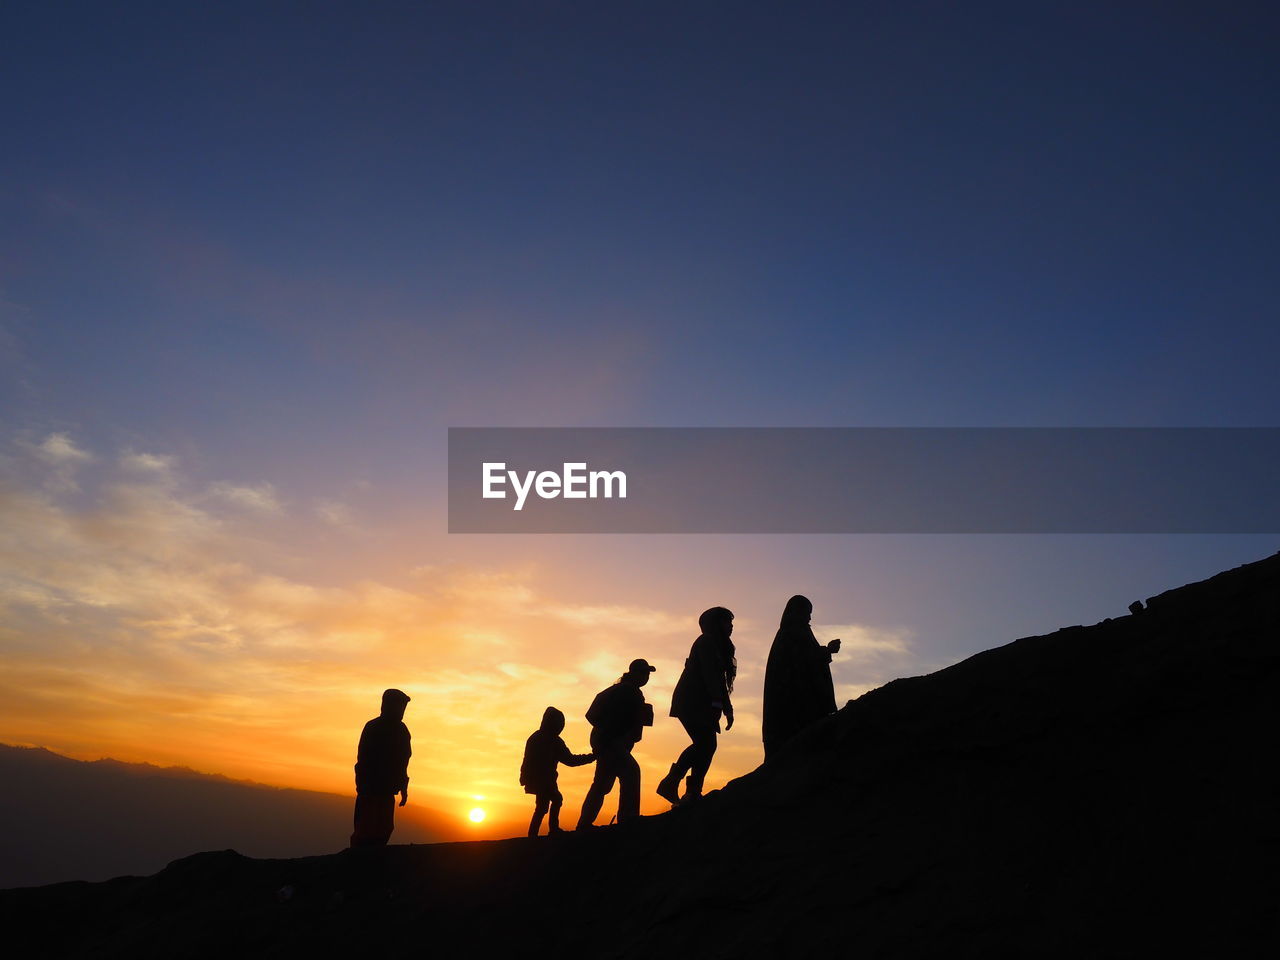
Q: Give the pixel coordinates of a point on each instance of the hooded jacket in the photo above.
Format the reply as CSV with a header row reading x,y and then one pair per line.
x,y
544,751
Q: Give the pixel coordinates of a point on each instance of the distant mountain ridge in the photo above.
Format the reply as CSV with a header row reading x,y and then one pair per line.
x,y
1102,791
44,754
93,820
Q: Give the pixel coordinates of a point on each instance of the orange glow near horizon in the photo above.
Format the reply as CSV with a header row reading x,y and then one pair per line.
x,y
155,620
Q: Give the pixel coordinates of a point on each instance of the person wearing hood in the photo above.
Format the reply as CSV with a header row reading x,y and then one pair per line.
x,y
382,771
699,700
544,751
618,716
797,679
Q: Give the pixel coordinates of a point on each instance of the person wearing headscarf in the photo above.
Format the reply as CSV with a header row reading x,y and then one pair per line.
x,y
797,679
700,698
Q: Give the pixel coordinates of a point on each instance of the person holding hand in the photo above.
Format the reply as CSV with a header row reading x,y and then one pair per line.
x,y
544,751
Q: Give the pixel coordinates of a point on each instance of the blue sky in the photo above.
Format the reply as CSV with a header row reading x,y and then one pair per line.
x,y
899,213
288,245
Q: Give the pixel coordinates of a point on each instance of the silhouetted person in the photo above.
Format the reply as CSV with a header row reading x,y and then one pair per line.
x,y
382,771
618,716
797,680
544,751
700,697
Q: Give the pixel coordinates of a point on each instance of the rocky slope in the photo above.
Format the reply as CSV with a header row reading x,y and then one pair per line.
x,y
1099,791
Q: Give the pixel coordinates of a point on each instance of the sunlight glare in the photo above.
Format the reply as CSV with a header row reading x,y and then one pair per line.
x,y
476,815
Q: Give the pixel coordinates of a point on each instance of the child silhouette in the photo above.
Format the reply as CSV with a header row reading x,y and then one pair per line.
x,y
543,751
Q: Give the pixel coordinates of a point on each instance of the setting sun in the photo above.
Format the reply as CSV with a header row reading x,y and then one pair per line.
x,y
476,815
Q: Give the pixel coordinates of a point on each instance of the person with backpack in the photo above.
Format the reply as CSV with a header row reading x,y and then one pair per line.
x,y
544,751
699,700
618,716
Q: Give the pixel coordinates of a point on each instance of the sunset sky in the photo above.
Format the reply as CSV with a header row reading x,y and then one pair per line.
x,y
255,259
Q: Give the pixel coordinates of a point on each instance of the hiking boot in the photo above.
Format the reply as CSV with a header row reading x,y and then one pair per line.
x,y
692,791
669,786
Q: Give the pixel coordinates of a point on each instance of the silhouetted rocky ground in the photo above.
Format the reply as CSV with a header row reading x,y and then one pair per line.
x,y
1100,791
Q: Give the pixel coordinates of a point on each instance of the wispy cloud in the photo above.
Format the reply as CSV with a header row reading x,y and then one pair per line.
x,y
332,512
59,450
650,622
868,657
145,618
865,641
60,454
154,617
258,497
158,468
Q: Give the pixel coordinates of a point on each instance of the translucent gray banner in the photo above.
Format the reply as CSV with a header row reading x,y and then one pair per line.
x,y
864,480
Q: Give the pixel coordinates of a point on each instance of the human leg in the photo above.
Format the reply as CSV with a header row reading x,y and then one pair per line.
x,y
557,799
699,753
601,784
373,819
628,787
669,786
540,803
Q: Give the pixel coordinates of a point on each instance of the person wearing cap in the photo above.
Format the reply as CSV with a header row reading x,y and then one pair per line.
x,y
618,716
382,771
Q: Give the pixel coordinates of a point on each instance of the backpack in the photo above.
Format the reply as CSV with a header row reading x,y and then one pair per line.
x,y
524,768
608,711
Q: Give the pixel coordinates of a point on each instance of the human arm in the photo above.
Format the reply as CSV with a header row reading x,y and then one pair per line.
x,y
573,759
824,698
710,664
406,748
725,707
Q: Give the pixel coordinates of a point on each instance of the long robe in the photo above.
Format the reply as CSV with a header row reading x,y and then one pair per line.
x,y
797,684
